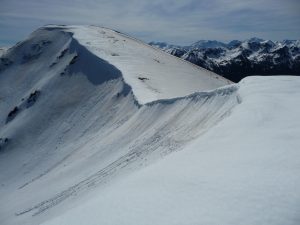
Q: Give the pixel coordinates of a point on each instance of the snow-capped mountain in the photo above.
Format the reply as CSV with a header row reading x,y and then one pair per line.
x,y
207,44
3,50
238,59
97,127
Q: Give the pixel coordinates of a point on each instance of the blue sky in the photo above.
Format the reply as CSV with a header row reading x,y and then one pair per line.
x,y
173,21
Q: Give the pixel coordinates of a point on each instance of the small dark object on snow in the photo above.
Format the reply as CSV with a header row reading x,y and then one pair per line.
x,y
63,53
12,114
4,63
53,64
74,59
143,78
64,71
32,98
3,142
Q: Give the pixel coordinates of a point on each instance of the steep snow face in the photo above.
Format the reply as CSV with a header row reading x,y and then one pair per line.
x,y
80,106
245,170
56,100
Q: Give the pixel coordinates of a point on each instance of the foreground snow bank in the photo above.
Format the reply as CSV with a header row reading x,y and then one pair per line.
x,y
245,170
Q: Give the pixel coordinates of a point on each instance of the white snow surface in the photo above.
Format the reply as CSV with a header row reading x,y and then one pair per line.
x,y
91,143
166,77
245,170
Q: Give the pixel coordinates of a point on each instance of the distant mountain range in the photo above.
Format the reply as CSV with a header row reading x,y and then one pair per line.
x,y
238,59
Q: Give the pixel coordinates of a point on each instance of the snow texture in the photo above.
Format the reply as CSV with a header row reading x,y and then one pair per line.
x,y
99,128
245,170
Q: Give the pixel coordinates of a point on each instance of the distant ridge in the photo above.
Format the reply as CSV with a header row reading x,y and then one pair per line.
x,y
237,59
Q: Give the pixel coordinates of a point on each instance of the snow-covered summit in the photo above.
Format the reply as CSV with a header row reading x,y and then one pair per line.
x,y
151,73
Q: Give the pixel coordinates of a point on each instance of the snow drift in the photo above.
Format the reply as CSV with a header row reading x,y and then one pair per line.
x,y
244,170
83,108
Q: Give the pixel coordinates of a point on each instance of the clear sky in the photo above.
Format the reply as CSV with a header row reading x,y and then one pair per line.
x,y
173,21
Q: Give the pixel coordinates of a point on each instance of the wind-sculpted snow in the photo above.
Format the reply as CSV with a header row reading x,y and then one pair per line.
x,y
155,130
88,108
74,117
244,170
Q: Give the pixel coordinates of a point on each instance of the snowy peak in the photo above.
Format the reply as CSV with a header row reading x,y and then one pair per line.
x,y
162,45
234,44
150,73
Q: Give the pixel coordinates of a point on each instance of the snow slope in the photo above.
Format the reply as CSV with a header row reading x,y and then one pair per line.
x,y
81,105
245,170
89,117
